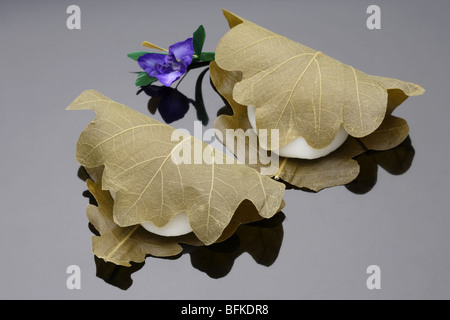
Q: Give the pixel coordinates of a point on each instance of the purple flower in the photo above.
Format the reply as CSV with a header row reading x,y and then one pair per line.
x,y
169,68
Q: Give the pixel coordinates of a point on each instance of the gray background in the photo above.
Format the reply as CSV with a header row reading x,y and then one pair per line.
x,y
330,238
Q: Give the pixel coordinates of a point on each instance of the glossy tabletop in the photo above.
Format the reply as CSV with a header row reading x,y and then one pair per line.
x,y
319,247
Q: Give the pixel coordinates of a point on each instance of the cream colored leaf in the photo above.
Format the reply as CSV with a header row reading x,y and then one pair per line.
x,y
136,152
121,245
301,91
388,135
398,91
337,168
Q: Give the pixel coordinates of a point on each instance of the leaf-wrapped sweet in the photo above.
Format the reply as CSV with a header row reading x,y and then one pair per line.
x,y
303,92
136,153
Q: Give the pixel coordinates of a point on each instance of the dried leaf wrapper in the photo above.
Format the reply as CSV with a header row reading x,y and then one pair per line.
x,y
303,92
135,151
337,168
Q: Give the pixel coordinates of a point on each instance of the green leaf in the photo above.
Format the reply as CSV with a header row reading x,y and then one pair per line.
x,y
199,39
136,55
144,80
207,56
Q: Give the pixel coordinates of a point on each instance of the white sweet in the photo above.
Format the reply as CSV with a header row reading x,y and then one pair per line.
x,y
177,226
299,148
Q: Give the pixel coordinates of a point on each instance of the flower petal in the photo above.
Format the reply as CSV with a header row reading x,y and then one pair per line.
x,y
183,51
167,78
150,61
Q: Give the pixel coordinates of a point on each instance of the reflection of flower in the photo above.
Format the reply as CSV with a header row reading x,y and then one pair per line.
x,y
168,68
171,103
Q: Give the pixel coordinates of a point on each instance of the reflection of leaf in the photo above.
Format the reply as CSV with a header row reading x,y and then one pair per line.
x,y
395,161
120,245
136,152
126,246
398,160
226,110
367,177
115,275
262,240
82,173
301,91
338,168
